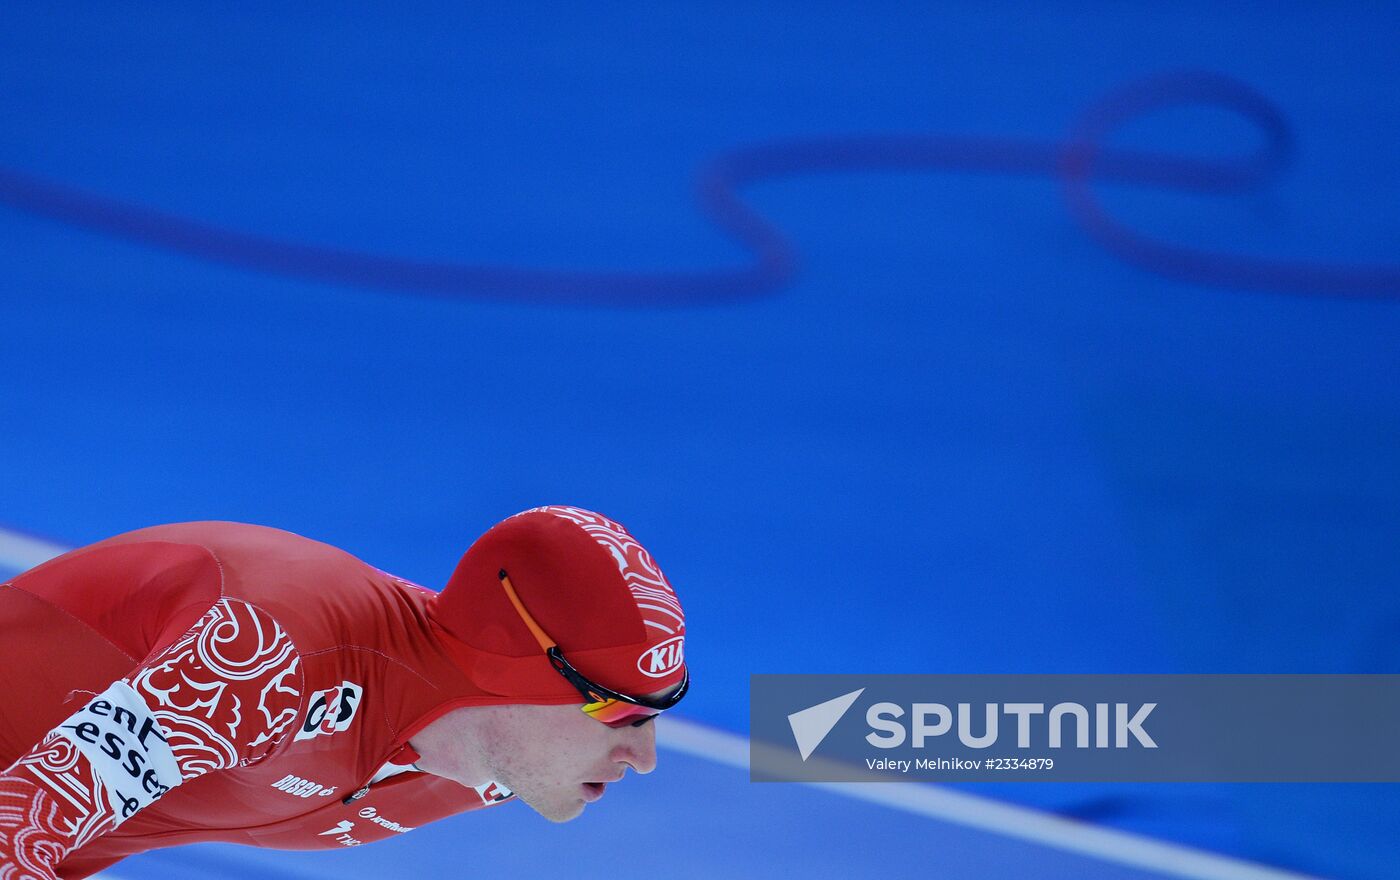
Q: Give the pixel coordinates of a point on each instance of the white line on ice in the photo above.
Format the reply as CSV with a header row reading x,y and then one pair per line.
x,y
986,814
20,551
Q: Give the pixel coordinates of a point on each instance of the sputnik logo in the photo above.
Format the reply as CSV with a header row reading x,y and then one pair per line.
x,y
811,725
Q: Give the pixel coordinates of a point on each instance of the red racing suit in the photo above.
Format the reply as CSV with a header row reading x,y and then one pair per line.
x,y
215,682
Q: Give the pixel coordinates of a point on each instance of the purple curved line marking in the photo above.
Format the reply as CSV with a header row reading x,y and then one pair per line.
x,y
1078,162
1193,264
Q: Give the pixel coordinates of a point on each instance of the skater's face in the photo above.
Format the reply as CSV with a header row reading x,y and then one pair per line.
x,y
554,758
560,760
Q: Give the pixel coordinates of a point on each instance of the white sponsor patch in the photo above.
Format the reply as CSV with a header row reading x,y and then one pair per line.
x,y
493,792
663,659
372,814
343,826
331,710
304,788
341,833
119,735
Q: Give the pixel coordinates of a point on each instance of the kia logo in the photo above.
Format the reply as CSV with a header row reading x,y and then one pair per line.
x,y
663,659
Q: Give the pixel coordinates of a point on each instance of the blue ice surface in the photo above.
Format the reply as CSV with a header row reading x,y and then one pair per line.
x,y
965,439
691,819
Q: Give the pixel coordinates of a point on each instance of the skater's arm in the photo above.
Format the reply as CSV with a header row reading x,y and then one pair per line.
x,y
223,695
